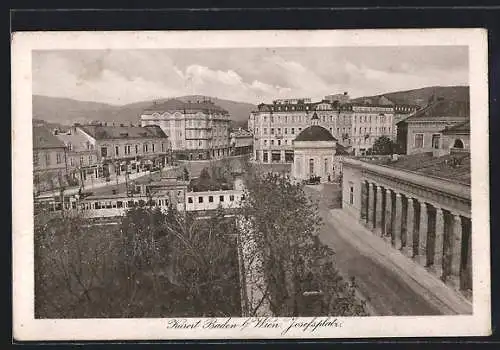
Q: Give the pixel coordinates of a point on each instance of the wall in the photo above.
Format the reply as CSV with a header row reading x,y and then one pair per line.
x,y
195,205
352,176
318,151
427,129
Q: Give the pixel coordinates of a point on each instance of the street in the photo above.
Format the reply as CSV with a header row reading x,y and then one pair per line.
x,y
388,289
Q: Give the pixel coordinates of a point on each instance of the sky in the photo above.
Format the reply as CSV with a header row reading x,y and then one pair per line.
x,y
251,75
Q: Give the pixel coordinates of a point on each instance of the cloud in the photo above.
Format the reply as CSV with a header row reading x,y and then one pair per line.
x,y
252,75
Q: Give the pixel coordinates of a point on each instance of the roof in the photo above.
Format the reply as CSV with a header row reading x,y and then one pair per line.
x,y
43,138
315,133
100,132
178,105
462,128
241,133
427,164
442,109
78,141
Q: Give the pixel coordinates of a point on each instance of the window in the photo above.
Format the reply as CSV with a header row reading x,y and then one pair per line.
x,y
265,142
58,158
70,146
272,142
326,165
231,198
82,160
72,161
221,198
136,149
153,147
145,148
265,157
300,129
279,131
311,166
419,140
35,158
286,131
435,140
90,159
200,199
190,200
279,142
272,131
163,147
293,131
119,204
117,151
265,131
127,149
210,199
351,195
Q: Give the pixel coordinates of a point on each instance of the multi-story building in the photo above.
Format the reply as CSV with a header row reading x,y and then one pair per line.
x,y
356,125
197,130
50,167
83,164
241,142
122,148
423,131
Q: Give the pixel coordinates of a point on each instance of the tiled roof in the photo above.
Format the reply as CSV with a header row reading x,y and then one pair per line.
x,y
442,109
315,133
43,138
462,128
443,167
178,105
78,142
100,132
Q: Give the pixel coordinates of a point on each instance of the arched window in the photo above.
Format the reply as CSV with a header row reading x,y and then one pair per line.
x,y
458,144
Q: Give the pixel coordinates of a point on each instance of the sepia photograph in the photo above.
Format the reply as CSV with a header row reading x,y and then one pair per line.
x,y
246,184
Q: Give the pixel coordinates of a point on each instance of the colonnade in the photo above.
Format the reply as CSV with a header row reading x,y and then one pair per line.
x,y
436,237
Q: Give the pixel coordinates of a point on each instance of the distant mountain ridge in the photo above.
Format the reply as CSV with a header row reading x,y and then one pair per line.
x,y
67,111
421,96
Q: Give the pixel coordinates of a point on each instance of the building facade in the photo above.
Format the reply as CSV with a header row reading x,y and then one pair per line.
x,y
197,130
420,205
83,163
422,131
50,165
314,153
241,142
356,125
126,149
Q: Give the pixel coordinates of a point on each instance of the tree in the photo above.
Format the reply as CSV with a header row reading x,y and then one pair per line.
x,y
284,226
185,174
383,146
146,264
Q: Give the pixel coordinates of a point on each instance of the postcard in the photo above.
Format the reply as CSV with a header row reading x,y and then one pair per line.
x,y
250,184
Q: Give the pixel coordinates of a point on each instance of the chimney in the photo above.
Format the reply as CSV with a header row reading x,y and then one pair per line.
x,y
345,93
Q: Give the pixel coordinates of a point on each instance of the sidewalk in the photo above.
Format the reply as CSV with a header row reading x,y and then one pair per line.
x,y
413,274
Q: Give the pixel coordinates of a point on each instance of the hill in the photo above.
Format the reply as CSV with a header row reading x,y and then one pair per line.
x,y
421,96
68,111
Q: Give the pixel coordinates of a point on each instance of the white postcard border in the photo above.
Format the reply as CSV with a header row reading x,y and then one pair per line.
x,y
28,328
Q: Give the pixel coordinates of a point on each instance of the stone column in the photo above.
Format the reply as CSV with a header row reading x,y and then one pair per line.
x,y
456,248
378,210
373,216
410,227
439,243
398,214
269,156
369,203
388,213
422,234
282,156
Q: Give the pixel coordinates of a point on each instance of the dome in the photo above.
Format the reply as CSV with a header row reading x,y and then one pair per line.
x,y
315,133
